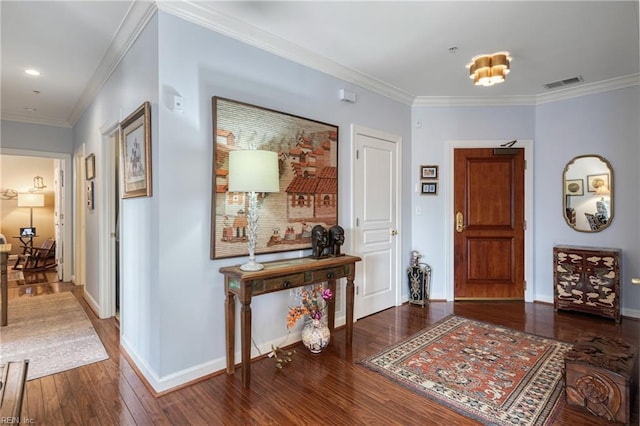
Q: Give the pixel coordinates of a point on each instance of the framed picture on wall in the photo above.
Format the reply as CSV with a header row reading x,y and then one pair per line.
x,y
429,188
90,166
597,183
308,172
135,153
574,187
428,172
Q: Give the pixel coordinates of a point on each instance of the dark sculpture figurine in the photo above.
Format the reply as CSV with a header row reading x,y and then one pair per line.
x,y
336,239
319,241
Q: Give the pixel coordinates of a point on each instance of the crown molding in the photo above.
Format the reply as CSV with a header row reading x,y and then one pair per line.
x,y
135,20
31,120
589,89
193,12
428,101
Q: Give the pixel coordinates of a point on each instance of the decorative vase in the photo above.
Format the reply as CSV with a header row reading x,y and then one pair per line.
x,y
315,336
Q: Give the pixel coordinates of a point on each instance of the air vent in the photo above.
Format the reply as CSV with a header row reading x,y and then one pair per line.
x,y
564,82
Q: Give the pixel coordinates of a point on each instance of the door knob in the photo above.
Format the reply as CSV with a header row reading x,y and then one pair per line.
x,y
459,222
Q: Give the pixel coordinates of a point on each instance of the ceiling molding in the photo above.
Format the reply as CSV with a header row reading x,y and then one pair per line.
x,y
193,12
137,17
422,101
589,89
32,120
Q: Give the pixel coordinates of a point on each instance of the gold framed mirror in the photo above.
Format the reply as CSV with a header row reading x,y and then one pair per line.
x,y
587,193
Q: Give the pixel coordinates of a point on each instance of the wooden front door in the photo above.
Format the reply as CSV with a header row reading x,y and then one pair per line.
x,y
489,224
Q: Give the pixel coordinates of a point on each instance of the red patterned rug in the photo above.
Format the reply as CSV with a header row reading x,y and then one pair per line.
x,y
490,373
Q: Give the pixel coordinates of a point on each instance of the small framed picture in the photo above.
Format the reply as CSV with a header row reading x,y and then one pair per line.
x,y
430,188
597,183
429,172
90,166
574,187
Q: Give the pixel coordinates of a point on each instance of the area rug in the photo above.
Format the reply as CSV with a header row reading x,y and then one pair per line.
x,y
53,332
493,374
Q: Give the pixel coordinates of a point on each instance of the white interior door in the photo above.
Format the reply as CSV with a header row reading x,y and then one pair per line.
x,y
377,212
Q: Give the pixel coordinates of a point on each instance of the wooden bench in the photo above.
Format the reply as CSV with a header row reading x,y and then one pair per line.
x,y
599,376
13,376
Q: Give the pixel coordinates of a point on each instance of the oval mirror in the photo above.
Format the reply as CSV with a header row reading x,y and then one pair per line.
x,y
588,193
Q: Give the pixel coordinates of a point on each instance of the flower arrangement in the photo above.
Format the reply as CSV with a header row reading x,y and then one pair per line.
x,y
312,303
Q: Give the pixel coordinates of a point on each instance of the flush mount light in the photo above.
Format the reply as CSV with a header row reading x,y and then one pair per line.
x,y
29,109
32,71
487,70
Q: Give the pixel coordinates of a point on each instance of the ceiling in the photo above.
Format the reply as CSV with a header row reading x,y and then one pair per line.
x,y
414,51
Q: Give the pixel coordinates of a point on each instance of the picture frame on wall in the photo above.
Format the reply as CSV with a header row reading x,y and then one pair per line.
x,y
90,166
597,181
429,188
428,172
308,171
135,153
574,187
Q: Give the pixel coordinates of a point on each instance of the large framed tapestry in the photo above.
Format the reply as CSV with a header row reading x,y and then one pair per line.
x,y
308,165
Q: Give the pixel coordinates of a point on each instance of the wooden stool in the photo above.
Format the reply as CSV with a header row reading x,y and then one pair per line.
x,y
599,377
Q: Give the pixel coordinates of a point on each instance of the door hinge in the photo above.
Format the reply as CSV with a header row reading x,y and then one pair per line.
x,y
525,225
357,154
525,285
62,178
357,290
357,221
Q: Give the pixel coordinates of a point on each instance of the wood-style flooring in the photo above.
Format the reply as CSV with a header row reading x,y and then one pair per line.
x,y
330,388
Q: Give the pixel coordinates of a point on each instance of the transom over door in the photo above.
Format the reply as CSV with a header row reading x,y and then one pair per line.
x,y
489,224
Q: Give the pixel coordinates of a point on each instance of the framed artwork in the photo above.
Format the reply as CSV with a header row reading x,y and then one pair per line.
x,y
429,172
135,153
429,188
574,187
90,166
90,195
308,164
597,181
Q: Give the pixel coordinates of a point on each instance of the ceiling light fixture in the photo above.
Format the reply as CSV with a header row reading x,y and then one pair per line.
x,y
32,71
487,70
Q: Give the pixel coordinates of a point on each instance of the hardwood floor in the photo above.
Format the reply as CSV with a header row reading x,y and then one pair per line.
x,y
330,388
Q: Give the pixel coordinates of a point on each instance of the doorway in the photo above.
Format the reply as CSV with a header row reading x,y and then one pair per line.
x,y
450,217
377,208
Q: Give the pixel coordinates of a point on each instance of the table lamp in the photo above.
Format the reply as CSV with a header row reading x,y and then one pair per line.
x,y
253,171
31,200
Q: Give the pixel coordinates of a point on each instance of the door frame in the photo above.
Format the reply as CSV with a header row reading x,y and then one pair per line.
x,y
67,184
527,144
355,130
107,261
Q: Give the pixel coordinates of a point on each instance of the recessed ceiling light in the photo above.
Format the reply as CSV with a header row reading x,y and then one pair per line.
x,y
29,109
32,71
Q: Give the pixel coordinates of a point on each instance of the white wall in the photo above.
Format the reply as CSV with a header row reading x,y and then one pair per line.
x,y
605,124
440,125
134,81
36,137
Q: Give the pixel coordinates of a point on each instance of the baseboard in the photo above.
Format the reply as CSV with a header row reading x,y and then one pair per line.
x,y
91,302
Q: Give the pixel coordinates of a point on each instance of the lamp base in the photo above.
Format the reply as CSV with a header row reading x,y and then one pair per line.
x,y
252,265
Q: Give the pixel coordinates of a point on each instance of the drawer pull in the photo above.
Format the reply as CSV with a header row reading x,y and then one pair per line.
x,y
286,284
330,275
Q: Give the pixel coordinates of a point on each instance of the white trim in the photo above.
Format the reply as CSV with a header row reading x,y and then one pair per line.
x,y
66,166
528,213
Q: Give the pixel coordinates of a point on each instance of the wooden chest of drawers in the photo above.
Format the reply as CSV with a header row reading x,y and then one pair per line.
x,y
587,279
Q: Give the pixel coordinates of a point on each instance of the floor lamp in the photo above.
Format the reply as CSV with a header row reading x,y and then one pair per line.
x,y
253,171
30,200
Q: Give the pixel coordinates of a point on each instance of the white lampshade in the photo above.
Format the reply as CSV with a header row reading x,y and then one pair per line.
x,y
253,171
28,199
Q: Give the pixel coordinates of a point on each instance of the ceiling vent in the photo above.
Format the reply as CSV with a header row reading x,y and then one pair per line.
x,y
564,82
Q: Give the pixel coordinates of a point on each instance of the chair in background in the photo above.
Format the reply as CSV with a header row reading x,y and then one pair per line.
x,y
40,259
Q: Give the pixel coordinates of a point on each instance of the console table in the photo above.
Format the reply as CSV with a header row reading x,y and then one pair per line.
x,y
277,276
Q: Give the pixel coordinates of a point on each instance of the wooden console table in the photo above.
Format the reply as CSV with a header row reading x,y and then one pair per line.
x,y
277,276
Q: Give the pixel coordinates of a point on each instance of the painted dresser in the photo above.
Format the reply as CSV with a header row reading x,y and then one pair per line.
x,y
587,279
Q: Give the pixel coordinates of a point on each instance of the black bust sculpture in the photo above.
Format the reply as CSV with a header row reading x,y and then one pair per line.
x,y
319,241
336,240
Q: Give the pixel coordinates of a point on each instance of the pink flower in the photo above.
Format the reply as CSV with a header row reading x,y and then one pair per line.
x,y
326,294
